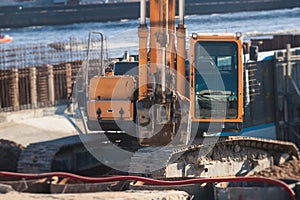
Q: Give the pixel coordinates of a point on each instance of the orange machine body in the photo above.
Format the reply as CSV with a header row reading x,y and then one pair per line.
x,y
113,95
116,98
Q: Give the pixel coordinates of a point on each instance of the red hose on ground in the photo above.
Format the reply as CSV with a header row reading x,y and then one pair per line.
x,y
152,181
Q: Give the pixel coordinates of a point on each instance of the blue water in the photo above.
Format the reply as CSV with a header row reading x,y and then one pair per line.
x,y
122,35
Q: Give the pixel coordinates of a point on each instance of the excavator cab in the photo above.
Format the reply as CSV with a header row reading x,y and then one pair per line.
x,y
216,81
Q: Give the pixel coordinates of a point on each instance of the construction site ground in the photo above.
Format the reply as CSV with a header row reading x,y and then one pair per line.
x,y
29,126
45,124
288,170
128,195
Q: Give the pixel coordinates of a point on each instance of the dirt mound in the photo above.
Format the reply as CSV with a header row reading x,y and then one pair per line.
x,y
288,170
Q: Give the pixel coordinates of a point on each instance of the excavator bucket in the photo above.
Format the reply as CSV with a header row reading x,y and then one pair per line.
x,y
161,124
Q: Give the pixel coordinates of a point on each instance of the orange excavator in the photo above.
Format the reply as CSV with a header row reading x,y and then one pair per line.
x,y
158,115
168,93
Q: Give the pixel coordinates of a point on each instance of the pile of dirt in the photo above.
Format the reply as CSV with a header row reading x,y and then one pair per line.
x,y
287,170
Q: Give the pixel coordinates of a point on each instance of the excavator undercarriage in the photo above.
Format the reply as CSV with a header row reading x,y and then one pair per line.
x,y
205,157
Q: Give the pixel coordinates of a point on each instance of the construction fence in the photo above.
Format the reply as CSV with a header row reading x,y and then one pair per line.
x,y
287,94
274,94
41,75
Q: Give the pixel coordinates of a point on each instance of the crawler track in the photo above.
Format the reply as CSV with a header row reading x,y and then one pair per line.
x,y
227,155
9,154
211,152
39,157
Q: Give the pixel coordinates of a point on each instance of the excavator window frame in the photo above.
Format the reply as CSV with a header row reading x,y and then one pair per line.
x,y
239,65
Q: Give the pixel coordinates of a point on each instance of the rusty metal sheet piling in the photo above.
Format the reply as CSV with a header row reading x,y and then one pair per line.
x,y
36,75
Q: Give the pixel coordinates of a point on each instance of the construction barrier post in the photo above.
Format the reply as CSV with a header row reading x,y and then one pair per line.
x,y
15,89
69,80
33,89
51,85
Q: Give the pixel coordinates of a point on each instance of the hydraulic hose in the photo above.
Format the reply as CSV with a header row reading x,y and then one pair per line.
x,y
150,180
